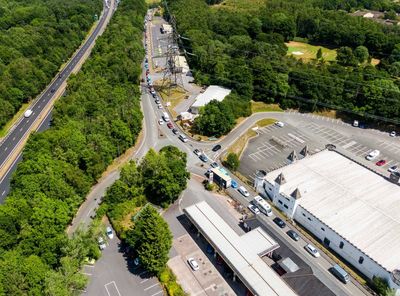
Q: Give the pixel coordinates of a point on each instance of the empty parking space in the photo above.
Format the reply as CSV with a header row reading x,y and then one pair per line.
x,y
112,289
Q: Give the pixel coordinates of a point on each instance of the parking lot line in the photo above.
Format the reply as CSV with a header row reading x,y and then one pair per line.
x,y
159,292
145,280
116,288
348,145
152,286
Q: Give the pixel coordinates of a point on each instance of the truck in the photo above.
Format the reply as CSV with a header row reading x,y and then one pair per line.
x,y
263,205
220,177
165,116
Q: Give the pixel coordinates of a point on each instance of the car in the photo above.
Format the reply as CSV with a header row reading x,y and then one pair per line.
x,y
278,221
183,138
216,148
312,250
175,131
53,90
382,162
170,125
254,209
293,235
197,152
193,264
373,154
214,165
279,123
355,123
160,122
154,95
159,106
203,158
157,101
393,168
28,113
234,184
101,242
244,191
210,249
392,134
109,232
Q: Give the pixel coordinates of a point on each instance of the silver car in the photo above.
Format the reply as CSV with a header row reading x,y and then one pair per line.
x,y
193,264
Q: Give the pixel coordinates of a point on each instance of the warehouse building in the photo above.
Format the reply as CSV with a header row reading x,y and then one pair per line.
x,y
351,209
213,92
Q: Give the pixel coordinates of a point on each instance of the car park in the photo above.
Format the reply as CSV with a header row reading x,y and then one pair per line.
x,y
279,123
393,169
312,250
160,122
214,165
28,113
278,221
254,209
203,158
175,131
183,138
244,191
193,264
101,242
216,148
392,134
197,152
109,232
234,184
170,125
293,235
382,162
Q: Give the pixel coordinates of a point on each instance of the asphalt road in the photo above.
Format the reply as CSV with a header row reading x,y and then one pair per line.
x,y
23,126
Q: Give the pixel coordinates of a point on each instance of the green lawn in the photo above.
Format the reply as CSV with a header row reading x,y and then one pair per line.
x,y
253,6
308,52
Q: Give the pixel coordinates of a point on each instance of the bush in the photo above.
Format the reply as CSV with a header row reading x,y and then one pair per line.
x,y
232,161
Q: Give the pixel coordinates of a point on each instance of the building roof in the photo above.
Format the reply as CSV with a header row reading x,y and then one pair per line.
x,y
213,92
357,203
242,253
180,62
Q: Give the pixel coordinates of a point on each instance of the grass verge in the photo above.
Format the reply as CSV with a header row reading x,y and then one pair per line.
x,y
263,107
10,123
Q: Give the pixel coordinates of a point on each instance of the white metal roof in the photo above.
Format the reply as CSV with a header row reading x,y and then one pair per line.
x,y
242,253
358,204
213,92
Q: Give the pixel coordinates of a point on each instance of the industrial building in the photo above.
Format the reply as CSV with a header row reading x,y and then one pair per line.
x,y
241,253
213,92
351,209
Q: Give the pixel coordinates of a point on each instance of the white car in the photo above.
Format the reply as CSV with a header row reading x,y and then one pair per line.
x,y
160,121
312,250
197,152
109,232
28,113
393,169
243,191
193,264
373,154
254,209
102,244
159,106
393,134
279,123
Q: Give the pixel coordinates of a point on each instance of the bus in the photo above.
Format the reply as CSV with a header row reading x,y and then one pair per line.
x,y
263,205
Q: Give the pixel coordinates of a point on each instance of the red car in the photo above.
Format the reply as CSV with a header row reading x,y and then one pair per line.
x,y
169,124
381,162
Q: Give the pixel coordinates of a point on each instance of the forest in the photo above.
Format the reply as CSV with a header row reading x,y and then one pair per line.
x,y
96,121
247,52
36,38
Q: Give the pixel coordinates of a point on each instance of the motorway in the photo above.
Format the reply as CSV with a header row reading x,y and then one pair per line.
x,y
12,142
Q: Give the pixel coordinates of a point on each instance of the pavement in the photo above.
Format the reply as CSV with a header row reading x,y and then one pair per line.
x,y
12,144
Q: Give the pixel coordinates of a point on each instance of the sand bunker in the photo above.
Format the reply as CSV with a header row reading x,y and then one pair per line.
x,y
297,53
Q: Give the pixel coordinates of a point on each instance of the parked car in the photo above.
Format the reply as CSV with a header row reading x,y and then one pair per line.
x,y
393,169
382,162
109,232
293,235
340,273
392,134
197,152
203,157
214,165
101,242
279,123
216,148
157,101
355,123
234,184
254,209
160,122
244,191
175,131
278,221
373,154
183,138
312,250
193,264
159,106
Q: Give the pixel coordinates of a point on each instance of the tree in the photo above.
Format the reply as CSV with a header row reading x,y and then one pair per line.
x,y
361,53
346,57
232,161
381,286
215,119
151,239
319,53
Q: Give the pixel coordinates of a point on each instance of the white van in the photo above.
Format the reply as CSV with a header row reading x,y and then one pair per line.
x,y
165,116
373,154
263,205
28,113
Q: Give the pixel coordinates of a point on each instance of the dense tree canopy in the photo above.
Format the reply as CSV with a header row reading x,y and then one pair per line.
x,y
36,38
97,120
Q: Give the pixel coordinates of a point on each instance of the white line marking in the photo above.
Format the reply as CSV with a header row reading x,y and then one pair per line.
x,y
348,145
157,293
5,149
152,286
3,193
145,280
113,282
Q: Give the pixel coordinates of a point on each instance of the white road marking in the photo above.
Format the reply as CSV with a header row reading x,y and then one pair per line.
x,y
3,193
20,129
152,286
5,149
157,293
348,145
113,283
145,280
